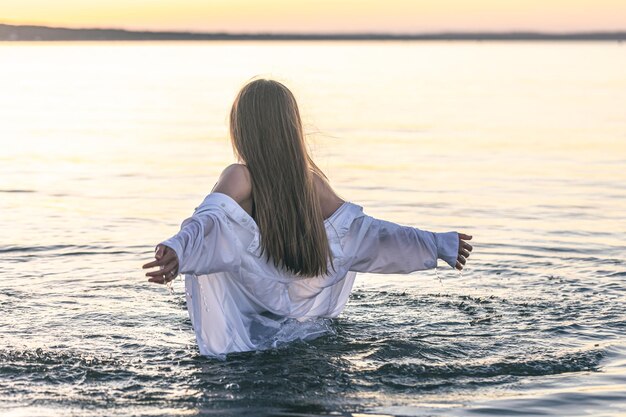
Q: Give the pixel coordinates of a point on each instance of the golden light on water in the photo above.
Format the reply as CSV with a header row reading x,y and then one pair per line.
x,y
97,125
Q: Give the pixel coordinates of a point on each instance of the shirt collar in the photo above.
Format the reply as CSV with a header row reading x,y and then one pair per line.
x,y
229,206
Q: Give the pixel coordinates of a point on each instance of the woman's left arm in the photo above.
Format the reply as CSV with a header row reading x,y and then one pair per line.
x,y
385,247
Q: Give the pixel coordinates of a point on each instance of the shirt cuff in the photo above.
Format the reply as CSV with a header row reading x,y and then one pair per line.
x,y
448,247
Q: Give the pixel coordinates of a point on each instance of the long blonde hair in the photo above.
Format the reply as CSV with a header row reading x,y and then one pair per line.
x,y
267,135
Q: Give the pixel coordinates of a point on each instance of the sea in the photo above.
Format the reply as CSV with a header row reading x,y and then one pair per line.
x,y
105,147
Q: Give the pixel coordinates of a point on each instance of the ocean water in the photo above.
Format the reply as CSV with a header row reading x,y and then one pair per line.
x,y
106,147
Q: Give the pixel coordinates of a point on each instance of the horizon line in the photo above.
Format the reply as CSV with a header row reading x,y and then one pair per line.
x,y
12,32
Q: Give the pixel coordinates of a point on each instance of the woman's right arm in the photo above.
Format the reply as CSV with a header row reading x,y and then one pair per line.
x,y
203,245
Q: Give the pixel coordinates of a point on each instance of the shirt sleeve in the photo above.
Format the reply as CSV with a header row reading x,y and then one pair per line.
x,y
380,246
205,245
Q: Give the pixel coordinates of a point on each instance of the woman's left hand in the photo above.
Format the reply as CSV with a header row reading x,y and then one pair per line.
x,y
167,261
464,251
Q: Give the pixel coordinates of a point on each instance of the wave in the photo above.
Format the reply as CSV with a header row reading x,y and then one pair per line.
x,y
71,250
60,366
558,364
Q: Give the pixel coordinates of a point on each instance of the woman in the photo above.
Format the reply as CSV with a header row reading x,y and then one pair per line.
x,y
273,247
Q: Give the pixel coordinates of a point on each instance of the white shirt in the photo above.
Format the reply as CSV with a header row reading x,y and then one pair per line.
x,y
239,301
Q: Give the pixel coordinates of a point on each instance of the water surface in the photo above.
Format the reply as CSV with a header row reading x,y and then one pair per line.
x,y
106,147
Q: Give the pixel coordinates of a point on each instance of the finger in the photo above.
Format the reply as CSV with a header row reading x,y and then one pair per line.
x,y
152,264
466,246
162,261
464,253
157,280
160,250
463,236
167,269
458,266
461,259
163,279
157,273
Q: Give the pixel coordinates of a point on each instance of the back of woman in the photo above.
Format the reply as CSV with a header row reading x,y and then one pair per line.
x,y
272,251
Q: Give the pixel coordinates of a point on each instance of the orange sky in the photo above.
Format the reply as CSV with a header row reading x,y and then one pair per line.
x,y
322,15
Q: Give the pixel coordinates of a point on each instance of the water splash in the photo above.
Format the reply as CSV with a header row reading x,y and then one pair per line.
x,y
438,276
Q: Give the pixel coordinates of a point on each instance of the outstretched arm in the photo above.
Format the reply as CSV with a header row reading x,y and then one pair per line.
x,y
204,245
380,246
201,246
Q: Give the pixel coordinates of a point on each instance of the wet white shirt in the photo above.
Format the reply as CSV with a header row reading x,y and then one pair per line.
x,y
239,301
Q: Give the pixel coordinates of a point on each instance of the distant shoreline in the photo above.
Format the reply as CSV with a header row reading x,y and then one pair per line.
x,y
25,33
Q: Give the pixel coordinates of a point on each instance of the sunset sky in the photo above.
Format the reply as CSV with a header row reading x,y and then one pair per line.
x,y
322,15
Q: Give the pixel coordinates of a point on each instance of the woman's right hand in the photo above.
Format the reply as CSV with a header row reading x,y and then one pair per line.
x,y
166,261
464,251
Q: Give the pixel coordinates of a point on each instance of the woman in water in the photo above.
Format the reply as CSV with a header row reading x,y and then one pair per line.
x,y
273,247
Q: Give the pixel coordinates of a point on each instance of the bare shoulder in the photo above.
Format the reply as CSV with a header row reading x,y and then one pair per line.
x,y
329,200
236,183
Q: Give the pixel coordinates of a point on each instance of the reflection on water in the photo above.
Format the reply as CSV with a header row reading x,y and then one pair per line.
x,y
105,148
